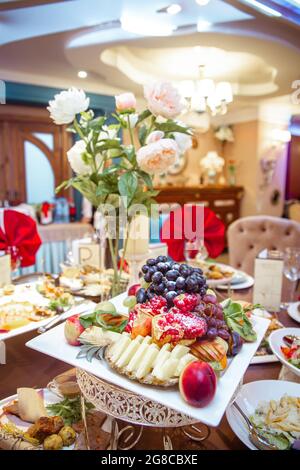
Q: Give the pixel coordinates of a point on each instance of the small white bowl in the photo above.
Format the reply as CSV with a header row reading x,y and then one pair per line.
x,y
250,395
276,341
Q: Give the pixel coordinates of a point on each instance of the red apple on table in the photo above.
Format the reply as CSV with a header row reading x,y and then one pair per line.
x,y
197,384
73,330
132,290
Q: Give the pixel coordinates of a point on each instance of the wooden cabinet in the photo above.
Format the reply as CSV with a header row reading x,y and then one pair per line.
x,y
223,200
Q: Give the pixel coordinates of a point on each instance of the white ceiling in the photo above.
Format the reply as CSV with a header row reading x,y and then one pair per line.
x,y
48,44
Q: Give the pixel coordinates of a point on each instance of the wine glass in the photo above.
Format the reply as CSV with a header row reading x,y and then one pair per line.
x,y
195,250
291,269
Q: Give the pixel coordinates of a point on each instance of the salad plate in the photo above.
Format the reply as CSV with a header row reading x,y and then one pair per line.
x,y
281,349
53,343
249,399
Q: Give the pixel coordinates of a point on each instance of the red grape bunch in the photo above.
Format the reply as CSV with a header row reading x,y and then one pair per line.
x,y
212,311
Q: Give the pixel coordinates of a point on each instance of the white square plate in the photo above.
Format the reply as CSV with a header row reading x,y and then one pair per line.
x,y
54,344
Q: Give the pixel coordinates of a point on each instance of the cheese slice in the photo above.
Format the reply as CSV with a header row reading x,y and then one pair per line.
x,y
30,405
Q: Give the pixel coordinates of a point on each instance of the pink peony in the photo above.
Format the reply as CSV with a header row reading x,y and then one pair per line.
x,y
158,156
125,102
163,99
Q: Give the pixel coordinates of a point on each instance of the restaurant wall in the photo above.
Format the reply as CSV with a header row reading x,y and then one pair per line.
x,y
243,150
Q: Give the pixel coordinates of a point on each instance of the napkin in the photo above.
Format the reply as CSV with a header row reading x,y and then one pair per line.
x,y
174,236
19,231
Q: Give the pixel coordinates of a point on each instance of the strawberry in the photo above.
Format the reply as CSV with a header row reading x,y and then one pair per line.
x,y
186,302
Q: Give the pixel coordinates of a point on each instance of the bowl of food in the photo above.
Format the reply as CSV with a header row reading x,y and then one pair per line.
x,y
273,408
285,344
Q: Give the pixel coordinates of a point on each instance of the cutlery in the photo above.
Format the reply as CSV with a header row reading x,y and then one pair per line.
x,y
257,439
56,319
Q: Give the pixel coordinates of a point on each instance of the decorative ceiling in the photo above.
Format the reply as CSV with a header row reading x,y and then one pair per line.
x,y
248,74
49,42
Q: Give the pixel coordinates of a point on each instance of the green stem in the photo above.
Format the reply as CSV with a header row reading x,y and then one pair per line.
x,y
78,130
130,131
115,265
124,250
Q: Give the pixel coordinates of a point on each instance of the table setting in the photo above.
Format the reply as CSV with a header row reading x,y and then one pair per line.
x,y
170,355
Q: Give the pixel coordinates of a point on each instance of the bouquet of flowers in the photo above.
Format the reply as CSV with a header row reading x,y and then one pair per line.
x,y
109,173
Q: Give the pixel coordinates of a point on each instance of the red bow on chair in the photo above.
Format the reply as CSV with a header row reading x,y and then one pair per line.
x,y
19,236
174,235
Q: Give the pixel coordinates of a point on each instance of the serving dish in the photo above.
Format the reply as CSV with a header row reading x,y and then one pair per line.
x,y
53,344
249,397
276,343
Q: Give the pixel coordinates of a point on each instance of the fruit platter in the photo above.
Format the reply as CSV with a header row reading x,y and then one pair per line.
x,y
167,339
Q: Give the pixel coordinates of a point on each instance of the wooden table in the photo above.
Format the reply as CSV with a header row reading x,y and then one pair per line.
x,y
26,367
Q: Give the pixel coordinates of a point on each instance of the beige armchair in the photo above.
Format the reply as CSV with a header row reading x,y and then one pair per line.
x,y
249,235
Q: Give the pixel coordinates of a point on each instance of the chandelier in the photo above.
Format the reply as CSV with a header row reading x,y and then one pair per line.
x,y
205,95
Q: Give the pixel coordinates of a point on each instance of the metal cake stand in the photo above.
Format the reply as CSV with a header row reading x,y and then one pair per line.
x,y
121,404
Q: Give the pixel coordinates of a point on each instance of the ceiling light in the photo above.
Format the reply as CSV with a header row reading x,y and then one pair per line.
x,y
137,25
224,92
202,2
203,25
173,9
82,74
264,8
206,87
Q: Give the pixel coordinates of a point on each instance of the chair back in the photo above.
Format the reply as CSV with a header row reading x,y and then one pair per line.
x,y
250,235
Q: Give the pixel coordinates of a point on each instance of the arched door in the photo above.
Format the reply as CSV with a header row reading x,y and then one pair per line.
x,y
32,155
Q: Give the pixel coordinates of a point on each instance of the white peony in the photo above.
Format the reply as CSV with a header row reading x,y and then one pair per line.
x,y
163,99
157,157
184,142
76,161
154,137
67,104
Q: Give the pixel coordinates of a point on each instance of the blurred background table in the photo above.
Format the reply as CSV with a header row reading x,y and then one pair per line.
x,y
56,242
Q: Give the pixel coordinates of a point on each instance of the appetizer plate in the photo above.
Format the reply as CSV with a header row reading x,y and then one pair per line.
x,y
276,341
224,280
294,311
49,398
250,396
246,284
54,344
28,292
